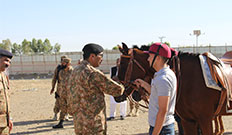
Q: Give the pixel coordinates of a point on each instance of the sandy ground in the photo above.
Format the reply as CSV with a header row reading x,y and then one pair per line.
x,y
32,112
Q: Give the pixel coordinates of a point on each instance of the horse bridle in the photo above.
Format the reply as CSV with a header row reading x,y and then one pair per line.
x,y
156,54
127,79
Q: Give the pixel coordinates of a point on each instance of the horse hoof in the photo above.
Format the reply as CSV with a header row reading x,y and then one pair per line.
x,y
135,115
221,133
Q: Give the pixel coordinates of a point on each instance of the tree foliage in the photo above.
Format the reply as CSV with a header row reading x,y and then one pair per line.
x,y
6,44
17,49
167,43
115,48
30,47
26,47
56,48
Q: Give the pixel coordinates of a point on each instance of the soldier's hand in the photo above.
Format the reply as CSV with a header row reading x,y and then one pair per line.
x,y
10,125
120,98
140,83
52,90
115,78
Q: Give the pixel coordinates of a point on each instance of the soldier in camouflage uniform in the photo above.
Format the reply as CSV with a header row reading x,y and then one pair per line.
x,y
55,80
64,76
5,122
87,87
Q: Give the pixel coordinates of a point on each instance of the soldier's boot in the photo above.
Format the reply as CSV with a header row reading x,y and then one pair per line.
x,y
66,117
59,125
55,117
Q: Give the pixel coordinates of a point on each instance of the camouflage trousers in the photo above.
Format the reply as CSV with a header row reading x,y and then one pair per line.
x,y
56,108
63,106
4,131
85,127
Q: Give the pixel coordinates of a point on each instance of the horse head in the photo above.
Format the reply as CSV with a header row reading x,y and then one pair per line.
x,y
124,49
133,65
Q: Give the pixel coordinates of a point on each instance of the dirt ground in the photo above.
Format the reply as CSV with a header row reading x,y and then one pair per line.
x,y
32,112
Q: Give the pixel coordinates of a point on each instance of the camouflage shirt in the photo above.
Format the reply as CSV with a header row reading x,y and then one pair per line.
x,y
87,86
4,100
64,76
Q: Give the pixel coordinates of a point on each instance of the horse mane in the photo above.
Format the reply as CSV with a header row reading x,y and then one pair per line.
x,y
187,54
135,46
142,48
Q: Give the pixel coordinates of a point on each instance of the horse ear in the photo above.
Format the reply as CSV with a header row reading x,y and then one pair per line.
x,y
125,48
120,49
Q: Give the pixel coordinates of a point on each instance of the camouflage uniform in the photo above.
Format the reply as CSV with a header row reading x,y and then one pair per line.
x,y
62,100
4,105
87,87
54,81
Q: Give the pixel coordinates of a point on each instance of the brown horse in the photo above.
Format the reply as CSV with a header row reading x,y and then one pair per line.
x,y
219,127
196,104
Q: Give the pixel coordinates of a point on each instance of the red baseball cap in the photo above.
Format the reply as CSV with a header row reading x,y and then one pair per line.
x,y
163,51
173,50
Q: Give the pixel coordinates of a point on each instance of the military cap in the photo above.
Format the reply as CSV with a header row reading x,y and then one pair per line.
x,y
67,60
6,53
92,48
62,57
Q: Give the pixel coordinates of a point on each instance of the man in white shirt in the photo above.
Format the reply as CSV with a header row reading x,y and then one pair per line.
x,y
123,105
162,90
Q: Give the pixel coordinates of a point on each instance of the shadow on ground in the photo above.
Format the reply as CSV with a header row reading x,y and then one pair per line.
x,y
46,126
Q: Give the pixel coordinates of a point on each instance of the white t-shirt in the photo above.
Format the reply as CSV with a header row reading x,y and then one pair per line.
x,y
163,84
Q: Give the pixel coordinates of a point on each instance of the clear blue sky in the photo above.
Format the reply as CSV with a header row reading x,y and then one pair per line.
x,y
73,23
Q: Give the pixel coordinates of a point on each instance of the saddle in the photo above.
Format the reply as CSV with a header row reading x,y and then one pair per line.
x,y
227,58
222,74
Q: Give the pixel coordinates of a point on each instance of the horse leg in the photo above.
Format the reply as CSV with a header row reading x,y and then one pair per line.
x,y
136,110
131,108
221,125
216,124
190,127
206,126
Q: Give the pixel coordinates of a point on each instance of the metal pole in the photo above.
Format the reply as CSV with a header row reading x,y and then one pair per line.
x,y
196,43
161,38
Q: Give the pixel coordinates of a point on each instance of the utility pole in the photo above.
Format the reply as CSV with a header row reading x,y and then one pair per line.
x,y
197,33
161,38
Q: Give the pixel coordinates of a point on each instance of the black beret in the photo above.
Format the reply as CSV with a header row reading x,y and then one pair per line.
x,y
6,53
92,48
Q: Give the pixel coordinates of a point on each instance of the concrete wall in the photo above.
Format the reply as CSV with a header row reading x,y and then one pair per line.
x,y
44,64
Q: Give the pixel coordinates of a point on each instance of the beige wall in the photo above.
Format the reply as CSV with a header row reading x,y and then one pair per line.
x,y
46,63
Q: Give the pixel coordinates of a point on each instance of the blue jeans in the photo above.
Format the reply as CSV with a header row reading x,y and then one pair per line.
x,y
166,130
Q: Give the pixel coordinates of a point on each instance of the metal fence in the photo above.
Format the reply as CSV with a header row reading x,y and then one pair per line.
x,y
46,63
218,51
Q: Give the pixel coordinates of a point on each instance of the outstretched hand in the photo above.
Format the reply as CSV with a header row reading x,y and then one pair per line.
x,y
115,78
139,83
10,125
143,84
52,90
120,98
